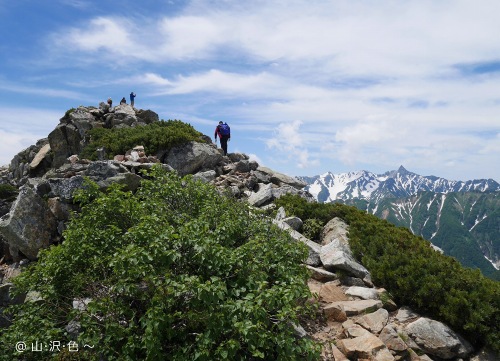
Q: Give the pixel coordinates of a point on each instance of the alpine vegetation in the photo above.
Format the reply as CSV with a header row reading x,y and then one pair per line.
x,y
174,271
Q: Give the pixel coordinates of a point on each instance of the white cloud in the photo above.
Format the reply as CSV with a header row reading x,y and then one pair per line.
x,y
289,142
370,82
22,127
35,90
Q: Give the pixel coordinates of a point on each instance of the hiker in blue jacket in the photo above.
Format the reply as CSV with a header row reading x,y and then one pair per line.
x,y
224,133
132,98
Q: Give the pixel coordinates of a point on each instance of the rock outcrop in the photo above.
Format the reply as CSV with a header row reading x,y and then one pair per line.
x,y
48,173
354,323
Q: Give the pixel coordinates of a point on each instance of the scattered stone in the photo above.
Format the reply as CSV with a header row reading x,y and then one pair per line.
x,y
438,339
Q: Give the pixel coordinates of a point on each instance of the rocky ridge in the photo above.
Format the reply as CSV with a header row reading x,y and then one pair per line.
x,y
357,320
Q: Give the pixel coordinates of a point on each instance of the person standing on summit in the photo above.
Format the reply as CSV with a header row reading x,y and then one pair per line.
x,y
132,97
224,133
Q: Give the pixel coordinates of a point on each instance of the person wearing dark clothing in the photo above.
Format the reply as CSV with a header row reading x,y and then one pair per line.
x,y
123,101
224,132
132,97
110,102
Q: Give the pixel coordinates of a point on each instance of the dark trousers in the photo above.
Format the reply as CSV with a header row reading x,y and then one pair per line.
x,y
223,143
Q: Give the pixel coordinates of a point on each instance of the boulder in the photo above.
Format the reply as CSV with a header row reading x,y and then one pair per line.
x,y
65,140
294,222
336,255
101,170
123,114
367,346
334,229
331,292
321,274
40,156
192,157
375,321
362,292
129,181
281,179
263,196
64,187
205,177
29,226
280,215
437,339
390,337
146,116
353,308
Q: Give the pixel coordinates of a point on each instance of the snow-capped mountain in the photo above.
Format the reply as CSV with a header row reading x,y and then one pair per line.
x,y
461,218
329,187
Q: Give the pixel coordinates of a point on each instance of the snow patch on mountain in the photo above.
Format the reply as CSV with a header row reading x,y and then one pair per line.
x,y
369,186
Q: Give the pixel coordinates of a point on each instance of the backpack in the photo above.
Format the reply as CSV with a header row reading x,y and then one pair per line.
x,y
224,129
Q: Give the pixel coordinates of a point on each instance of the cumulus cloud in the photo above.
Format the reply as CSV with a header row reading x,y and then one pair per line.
x,y
22,127
289,142
387,83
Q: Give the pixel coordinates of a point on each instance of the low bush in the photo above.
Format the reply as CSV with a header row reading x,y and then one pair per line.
x,y
417,276
8,192
173,272
156,136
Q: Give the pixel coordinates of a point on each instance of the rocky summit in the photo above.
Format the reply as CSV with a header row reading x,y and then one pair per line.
x,y
356,320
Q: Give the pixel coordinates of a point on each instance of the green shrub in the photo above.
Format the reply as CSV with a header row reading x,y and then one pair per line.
x,y
312,228
156,136
8,192
175,272
417,276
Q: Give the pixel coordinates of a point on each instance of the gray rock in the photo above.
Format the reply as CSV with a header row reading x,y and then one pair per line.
x,y
334,229
281,179
205,177
362,292
375,321
392,340
65,187
124,114
321,274
104,169
437,339
130,181
366,347
29,226
243,166
236,157
336,255
192,157
40,156
353,308
261,176
405,314
147,116
294,222
280,215
65,140
263,196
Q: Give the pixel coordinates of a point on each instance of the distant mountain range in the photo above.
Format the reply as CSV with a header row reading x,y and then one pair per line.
x,y
461,218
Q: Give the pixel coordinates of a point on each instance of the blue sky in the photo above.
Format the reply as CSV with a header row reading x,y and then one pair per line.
x,y
306,86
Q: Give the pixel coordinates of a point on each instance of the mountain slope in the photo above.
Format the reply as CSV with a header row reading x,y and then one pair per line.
x,y
462,218
366,185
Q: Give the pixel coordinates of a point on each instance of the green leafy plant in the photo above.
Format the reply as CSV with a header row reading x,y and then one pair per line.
x,y
173,272
8,192
156,136
311,228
